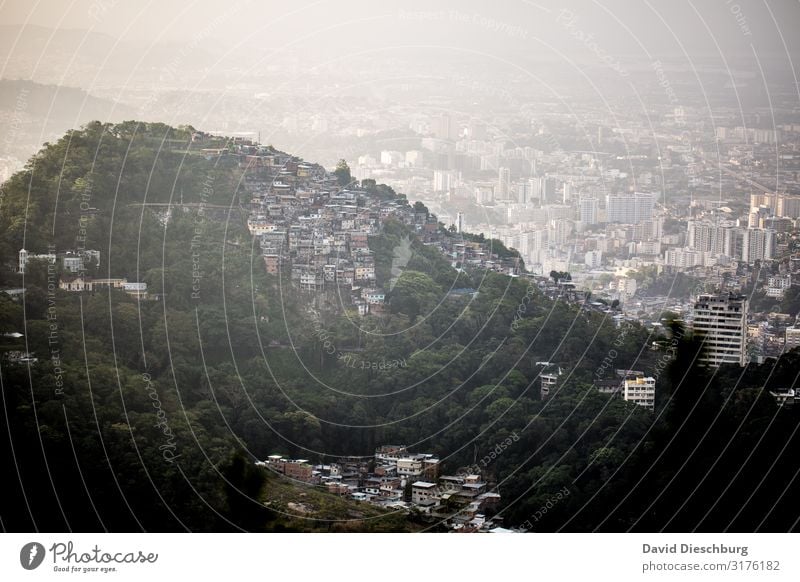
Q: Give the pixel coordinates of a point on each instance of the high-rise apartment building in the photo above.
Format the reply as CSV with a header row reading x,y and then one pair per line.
x,y
588,211
722,322
716,239
630,208
446,128
503,184
758,244
780,204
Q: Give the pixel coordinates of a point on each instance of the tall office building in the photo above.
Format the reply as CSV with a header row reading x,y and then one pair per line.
x,y
722,322
630,208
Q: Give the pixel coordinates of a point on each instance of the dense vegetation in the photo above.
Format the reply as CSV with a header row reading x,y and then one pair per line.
x,y
164,405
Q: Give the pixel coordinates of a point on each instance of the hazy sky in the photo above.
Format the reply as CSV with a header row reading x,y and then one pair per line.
x,y
327,26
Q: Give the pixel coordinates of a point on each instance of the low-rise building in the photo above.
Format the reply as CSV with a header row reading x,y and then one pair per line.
x,y
423,491
777,285
640,390
792,338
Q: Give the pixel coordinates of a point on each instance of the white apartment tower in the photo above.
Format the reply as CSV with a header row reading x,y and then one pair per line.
x,y
588,211
630,209
722,321
503,184
758,244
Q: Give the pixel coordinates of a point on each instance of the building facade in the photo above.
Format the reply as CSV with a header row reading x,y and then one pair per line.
x,y
721,320
640,390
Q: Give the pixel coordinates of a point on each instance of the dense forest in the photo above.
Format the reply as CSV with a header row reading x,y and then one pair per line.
x,y
149,415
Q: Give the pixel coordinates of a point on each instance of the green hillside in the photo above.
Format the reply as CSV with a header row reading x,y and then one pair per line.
x,y
150,414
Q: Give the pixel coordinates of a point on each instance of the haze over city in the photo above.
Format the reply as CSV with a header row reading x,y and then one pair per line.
x,y
446,267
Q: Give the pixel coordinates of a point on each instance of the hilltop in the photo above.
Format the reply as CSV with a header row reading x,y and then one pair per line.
x,y
242,349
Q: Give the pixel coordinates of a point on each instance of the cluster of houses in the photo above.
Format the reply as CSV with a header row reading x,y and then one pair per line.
x,y
309,226
71,261
79,283
74,268
19,356
396,478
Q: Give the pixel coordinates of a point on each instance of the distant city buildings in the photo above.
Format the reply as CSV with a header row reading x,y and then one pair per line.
x,y
398,479
623,224
766,205
630,208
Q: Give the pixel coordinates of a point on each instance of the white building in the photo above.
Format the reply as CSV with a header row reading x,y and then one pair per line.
x,y
630,209
593,259
414,158
503,184
423,491
792,338
683,258
758,245
717,239
640,390
374,296
444,180
589,211
391,158
722,322
72,263
484,195
24,257
777,285
135,288
625,287
409,467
